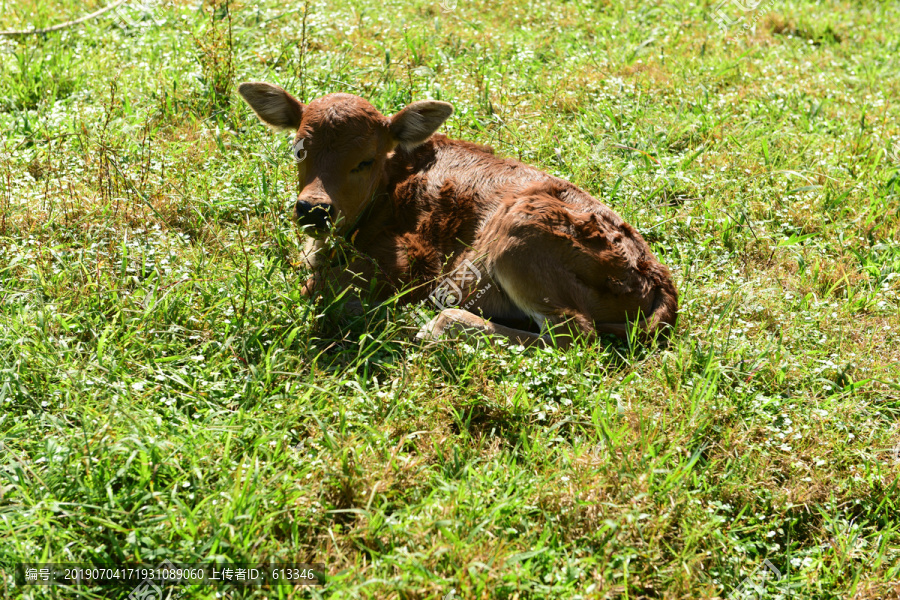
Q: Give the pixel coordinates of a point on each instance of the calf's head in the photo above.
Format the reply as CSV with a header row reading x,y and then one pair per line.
x,y
341,146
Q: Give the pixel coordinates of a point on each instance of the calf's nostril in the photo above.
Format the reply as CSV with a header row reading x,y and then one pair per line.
x,y
316,213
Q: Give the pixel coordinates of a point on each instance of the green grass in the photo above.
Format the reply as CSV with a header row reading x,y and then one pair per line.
x,y
167,394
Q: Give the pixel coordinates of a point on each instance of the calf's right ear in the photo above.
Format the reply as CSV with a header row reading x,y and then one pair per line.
x,y
274,106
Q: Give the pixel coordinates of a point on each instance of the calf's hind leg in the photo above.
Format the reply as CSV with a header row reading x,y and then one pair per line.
x,y
582,273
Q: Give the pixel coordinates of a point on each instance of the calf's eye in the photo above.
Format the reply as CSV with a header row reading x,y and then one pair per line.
x,y
363,165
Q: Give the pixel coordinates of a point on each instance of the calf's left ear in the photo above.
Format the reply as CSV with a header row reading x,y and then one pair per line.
x,y
418,121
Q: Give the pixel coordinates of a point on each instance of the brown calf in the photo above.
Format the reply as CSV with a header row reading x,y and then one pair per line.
x,y
447,218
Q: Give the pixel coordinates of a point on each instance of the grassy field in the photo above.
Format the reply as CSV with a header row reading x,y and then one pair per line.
x,y
166,393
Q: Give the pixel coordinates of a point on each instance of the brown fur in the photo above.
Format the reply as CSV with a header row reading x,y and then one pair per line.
x,y
416,206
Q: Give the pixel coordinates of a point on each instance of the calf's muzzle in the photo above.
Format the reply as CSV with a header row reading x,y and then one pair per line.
x,y
316,214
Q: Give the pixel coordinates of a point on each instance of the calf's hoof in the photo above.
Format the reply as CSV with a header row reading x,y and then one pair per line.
x,y
448,323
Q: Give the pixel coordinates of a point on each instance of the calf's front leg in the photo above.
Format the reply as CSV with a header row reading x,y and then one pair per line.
x,y
461,324
332,281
